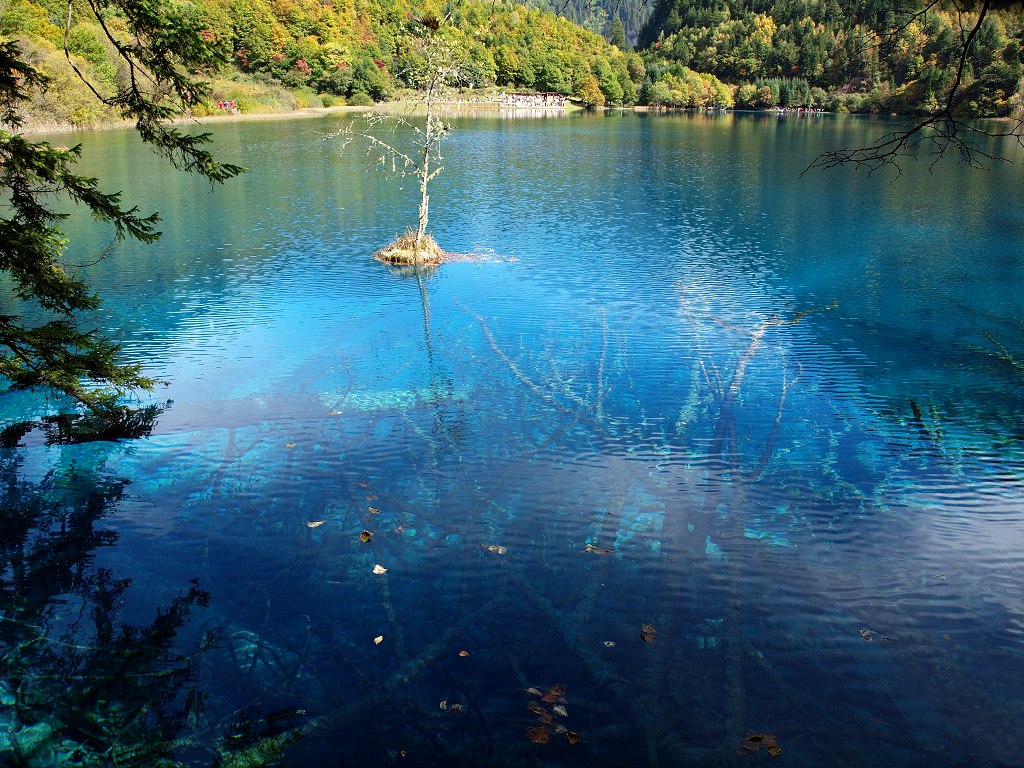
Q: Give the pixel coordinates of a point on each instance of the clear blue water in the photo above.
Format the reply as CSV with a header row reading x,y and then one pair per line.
x,y
768,415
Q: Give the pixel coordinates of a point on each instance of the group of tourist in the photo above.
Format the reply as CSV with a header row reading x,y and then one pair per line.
x,y
227,106
798,110
532,99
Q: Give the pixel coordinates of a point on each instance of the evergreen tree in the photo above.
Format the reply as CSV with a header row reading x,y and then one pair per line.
x,y
161,45
617,34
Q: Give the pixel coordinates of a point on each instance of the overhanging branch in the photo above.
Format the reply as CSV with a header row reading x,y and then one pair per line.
x,y
941,132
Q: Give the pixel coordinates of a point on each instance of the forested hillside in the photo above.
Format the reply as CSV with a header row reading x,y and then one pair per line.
x,y
310,52
282,54
601,16
860,56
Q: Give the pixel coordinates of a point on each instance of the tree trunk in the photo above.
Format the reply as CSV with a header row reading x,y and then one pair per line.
x,y
421,230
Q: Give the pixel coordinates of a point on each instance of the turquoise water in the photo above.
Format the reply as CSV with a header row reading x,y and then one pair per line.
x,y
769,422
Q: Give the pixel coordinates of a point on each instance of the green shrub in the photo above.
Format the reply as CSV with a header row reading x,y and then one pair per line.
x,y
66,99
307,98
361,99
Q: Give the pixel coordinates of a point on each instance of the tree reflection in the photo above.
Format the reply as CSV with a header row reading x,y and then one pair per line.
x,y
78,686
70,428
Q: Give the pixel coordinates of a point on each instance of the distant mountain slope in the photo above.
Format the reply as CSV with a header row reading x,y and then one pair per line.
x,y
860,56
598,15
317,50
903,61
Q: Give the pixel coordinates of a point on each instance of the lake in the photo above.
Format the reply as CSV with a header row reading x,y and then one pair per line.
x,y
701,460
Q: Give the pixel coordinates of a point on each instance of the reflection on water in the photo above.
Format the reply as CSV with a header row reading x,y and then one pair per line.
x,y
80,686
723,452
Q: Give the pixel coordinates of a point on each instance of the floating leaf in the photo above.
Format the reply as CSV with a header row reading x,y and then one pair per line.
x,y
366,537
315,523
536,708
648,633
373,510
559,710
572,737
558,690
599,550
463,654
379,570
756,740
868,635
370,497
496,548
539,735
364,484
378,639
289,445
549,698
456,709
534,692
609,643
443,706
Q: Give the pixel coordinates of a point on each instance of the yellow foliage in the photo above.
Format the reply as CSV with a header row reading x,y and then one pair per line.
x,y
590,92
22,17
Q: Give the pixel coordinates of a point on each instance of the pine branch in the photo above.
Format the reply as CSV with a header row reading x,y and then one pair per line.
x,y
166,43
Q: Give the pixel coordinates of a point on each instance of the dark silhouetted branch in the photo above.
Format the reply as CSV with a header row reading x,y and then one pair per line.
x,y
940,134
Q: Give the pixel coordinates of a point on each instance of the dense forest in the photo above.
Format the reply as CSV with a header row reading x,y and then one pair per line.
x,y
689,53
860,56
618,20
288,53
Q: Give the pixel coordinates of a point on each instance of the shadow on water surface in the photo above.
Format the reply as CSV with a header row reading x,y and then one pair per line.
x,y
74,428
78,686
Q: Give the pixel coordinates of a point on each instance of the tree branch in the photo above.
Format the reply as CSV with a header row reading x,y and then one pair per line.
x,y
941,131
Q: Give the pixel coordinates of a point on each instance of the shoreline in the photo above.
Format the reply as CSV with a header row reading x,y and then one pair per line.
x,y
400,104
305,112
313,112
301,113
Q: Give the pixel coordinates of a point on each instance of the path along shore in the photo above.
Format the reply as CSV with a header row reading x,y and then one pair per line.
x,y
34,127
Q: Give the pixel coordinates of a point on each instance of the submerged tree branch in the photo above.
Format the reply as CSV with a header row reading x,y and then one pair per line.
x,y
1004,354
725,429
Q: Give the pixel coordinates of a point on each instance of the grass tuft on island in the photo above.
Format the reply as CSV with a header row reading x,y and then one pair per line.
x,y
403,252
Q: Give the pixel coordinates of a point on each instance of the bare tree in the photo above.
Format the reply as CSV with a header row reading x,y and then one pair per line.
x,y
413,149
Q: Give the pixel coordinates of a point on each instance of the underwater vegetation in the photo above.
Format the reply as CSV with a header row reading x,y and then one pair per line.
x,y
78,686
421,608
